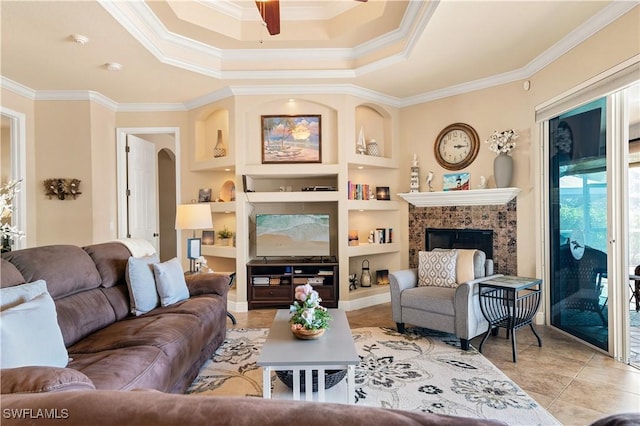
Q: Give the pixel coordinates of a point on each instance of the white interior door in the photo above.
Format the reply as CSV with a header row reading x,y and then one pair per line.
x,y
142,210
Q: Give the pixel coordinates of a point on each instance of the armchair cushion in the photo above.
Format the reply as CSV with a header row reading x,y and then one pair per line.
x,y
437,268
439,300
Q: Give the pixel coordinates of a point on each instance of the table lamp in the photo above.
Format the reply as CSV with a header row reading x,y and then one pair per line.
x,y
193,216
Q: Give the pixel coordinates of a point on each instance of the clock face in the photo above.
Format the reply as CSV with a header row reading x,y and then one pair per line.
x,y
456,146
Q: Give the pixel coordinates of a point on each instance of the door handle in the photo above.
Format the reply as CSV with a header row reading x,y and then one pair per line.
x,y
155,234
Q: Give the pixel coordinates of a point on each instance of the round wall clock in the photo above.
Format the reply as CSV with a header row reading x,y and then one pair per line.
x,y
456,146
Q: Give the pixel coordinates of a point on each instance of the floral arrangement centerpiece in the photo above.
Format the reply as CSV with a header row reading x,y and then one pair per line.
x,y
309,319
7,231
502,142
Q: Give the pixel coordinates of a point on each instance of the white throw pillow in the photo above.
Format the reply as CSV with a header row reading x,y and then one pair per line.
x,y
13,296
170,282
30,334
437,268
142,284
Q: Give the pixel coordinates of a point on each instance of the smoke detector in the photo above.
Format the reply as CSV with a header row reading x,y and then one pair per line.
x,y
80,39
113,66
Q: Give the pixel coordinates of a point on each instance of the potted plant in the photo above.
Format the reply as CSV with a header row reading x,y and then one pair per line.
x,y
225,235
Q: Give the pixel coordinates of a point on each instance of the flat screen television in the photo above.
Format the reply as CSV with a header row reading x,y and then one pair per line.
x,y
297,235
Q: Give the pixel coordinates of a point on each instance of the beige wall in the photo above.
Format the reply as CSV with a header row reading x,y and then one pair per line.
x,y
103,171
497,108
64,150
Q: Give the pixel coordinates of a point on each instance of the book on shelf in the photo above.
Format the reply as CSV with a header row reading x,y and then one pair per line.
x,y
326,272
358,191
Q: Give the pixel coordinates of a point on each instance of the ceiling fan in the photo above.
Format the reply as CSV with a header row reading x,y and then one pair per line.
x,y
270,12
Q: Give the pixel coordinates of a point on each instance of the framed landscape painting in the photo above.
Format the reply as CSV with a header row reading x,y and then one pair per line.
x,y
291,139
456,182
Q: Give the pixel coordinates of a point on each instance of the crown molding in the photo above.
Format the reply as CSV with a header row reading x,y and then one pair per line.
x,y
76,95
17,88
216,96
170,48
597,22
609,14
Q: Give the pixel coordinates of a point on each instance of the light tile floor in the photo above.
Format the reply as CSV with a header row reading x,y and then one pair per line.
x,y
575,383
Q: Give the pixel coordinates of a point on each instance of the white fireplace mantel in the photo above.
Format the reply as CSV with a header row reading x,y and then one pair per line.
x,y
472,197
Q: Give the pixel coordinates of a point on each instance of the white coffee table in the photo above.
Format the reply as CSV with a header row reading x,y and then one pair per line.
x,y
335,350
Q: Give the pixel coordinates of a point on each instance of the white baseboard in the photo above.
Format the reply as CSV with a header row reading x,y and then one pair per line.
x,y
234,306
539,319
364,302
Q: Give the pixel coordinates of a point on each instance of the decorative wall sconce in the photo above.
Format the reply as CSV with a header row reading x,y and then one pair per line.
x,y
62,188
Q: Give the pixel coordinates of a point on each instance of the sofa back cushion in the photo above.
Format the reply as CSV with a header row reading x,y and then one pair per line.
x,y
83,313
9,274
111,261
66,269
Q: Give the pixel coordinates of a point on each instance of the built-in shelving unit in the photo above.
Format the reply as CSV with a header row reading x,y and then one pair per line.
x,y
473,197
261,188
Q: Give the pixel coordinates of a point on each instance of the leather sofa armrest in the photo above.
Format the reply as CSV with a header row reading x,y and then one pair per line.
x,y
208,283
39,379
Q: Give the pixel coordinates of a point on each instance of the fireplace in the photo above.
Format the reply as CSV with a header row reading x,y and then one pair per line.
x,y
481,239
500,220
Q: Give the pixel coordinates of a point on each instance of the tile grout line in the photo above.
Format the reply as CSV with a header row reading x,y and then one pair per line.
x,y
575,376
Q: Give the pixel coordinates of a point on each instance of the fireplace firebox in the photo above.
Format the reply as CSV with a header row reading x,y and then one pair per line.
x,y
481,239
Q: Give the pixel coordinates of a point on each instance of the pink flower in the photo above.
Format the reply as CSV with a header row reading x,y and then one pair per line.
x,y
302,291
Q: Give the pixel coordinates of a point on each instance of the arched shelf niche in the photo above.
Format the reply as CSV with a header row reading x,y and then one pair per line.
x,y
207,126
375,123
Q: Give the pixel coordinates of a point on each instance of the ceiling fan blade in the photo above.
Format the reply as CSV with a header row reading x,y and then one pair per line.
x,y
270,12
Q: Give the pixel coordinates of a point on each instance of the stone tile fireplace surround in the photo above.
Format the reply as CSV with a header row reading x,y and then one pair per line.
x,y
500,218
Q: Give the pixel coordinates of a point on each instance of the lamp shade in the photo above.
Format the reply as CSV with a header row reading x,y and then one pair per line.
x,y
193,216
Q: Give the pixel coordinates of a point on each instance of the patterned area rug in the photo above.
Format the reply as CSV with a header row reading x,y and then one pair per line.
x,y
420,370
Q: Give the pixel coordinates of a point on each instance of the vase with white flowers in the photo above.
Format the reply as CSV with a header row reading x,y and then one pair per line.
x,y
309,319
502,143
8,232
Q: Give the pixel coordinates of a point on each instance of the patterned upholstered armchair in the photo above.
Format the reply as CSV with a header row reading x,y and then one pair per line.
x,y
417,299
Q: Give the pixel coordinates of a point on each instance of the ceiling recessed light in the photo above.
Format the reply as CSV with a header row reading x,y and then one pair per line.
x,y
113,66
80,39
360,167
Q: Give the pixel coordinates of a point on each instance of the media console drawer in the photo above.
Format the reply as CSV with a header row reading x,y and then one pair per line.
x,y
272,292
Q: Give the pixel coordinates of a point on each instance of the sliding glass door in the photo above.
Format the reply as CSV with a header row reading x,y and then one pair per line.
x,y
578,223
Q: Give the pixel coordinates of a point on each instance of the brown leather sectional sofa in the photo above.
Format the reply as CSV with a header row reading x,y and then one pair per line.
x,y
108,347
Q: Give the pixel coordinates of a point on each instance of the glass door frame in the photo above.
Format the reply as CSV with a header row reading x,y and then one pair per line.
x,y
617,131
